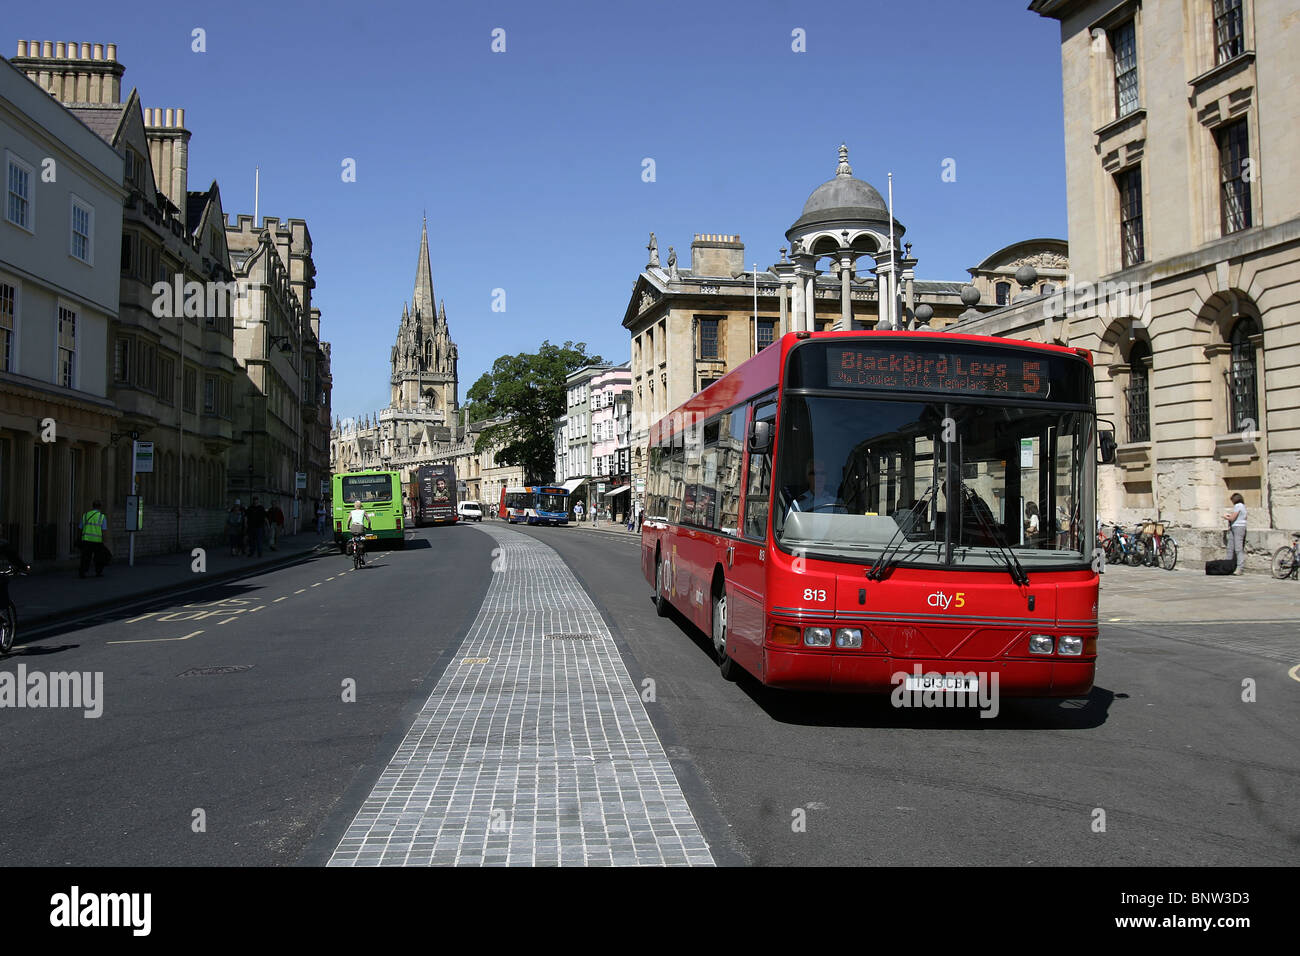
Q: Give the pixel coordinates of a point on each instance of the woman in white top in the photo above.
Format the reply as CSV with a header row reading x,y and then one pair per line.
x,y
1236,518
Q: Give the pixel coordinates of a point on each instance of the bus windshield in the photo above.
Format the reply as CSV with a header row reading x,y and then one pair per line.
x,y
859,474
552,502
367,488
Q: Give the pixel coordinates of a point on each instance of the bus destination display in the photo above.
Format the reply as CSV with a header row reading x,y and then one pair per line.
x,y
929,371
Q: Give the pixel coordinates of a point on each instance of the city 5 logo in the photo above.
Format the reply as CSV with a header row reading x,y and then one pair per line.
x,y
944,601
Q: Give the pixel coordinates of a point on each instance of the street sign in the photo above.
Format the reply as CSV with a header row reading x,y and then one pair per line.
x,y
1026,453
300,479
143,451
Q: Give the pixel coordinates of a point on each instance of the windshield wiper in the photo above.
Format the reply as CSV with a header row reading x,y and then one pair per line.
x,y
1014,566
877,570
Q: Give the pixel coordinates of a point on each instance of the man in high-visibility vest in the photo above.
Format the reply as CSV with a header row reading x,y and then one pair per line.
x,y
93,526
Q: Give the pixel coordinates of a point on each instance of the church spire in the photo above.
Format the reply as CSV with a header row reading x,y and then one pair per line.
x,y
422,301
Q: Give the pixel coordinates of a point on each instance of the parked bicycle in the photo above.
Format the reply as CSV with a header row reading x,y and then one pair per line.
x,y
1122,547
1158,549
1286,560
11,563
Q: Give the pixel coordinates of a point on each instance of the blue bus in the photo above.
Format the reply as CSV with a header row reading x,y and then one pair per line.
x,y
535,504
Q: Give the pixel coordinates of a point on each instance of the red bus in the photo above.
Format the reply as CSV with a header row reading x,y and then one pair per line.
x,y
848,509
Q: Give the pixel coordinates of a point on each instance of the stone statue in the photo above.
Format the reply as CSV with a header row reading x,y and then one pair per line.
x,y
672,262
654,250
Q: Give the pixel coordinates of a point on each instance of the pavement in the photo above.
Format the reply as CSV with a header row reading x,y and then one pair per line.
x,y
51,596
1190,596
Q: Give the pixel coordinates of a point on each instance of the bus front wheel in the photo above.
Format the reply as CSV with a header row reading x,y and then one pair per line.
x,y
726,666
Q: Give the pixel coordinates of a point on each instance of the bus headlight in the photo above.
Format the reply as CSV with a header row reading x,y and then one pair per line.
x,y
848,637
1040,644
817,636
1070,646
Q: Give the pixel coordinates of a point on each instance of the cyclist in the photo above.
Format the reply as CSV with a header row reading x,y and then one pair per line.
x,y
358,522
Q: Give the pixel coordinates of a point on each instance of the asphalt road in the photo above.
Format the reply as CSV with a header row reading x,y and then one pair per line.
x,y
1184,770
272,756
1165,753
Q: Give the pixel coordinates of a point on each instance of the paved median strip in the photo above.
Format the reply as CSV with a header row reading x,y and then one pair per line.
x,y
531,750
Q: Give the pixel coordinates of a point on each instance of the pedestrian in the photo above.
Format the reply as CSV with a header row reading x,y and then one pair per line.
x,y
577,511
640,517
274,524
235,527
93,526
1236,518
1031,520
320,519
255,522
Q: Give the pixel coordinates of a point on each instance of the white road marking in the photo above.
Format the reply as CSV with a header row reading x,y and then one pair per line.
x,y
278,600
299,591
159,640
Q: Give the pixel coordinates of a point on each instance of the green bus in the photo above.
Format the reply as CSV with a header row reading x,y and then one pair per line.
x,y
380,494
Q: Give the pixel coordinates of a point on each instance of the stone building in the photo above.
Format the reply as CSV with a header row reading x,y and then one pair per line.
x,y
284,394
59,243
421,425
165,348
1183,179
690,325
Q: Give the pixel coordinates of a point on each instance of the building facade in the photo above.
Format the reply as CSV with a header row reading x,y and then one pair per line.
x,y
1183,179
691,325
60,236
282,398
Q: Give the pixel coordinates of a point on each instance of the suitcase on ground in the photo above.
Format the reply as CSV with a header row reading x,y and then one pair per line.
x,y
1221,566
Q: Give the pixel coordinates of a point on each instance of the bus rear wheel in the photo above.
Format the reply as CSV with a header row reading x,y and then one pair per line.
x,y
661,602
726,665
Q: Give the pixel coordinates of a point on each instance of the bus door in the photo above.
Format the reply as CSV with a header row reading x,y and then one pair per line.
x,y
746,566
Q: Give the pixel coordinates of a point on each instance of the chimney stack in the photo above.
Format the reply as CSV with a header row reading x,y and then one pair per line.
x,y
713,254
76,73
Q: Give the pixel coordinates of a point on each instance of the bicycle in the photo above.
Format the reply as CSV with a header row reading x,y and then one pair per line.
x,y
10,564
1158,549
1286,560
358,548
1122,548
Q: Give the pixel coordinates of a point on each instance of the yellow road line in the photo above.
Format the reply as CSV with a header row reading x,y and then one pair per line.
x,y
1295,672
317,584
159,640
141,617
299,591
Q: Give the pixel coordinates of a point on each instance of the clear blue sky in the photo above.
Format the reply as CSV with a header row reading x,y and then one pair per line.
x,y
529,162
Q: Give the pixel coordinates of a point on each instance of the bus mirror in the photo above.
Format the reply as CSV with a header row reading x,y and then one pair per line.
x,y
760,436
1106,446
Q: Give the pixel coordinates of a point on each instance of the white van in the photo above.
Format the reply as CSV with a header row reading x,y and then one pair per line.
x,y
469,511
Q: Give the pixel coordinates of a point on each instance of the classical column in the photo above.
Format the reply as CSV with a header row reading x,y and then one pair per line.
x,y
810,300
846,294
796,291
785,312
24,493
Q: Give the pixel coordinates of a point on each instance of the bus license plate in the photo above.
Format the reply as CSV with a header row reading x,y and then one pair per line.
x,y
944,683
372,537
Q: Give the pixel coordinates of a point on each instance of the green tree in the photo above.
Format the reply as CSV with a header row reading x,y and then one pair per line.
x,y
528,393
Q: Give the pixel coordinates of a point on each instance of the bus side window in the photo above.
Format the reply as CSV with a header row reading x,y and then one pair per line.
x,y
758,486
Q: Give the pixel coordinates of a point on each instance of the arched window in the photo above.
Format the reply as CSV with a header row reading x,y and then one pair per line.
x,y
1136,396
1244,411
